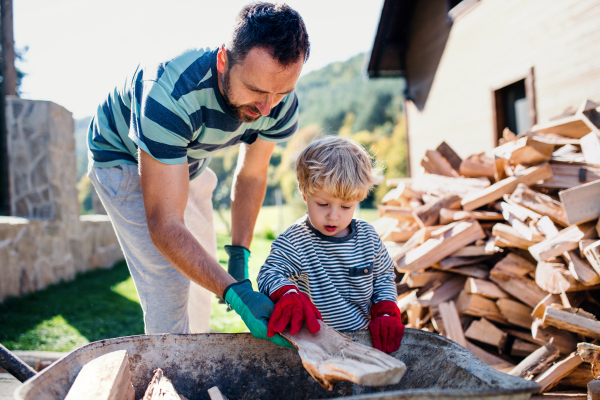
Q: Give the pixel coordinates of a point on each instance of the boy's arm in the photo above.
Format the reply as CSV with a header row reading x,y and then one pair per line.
x,y
281,266
384,287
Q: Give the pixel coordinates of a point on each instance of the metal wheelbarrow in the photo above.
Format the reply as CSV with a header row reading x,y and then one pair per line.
x,y
246,368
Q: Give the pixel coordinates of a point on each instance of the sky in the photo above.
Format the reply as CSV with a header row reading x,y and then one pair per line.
x,y
79,50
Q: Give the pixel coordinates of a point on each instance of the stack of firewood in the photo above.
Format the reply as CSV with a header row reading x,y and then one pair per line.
x,y
501,253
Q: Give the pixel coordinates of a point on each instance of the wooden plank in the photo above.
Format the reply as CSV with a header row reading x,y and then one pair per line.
x,y
555,278
447,215
415,241
458,235
452,326
566,240
435,163
530,152
554,374
521,348
428,214
484,288
477,165
590,146
571,321
161,388
581,269
566,176
515,312
215,394
564,340
330,357
449,154
104,378
572,127
511,236
479,306
536,362
540,203
581,202
484,331
490,359
444,292
497,190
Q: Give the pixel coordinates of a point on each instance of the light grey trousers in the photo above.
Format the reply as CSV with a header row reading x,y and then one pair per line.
x,y
171,302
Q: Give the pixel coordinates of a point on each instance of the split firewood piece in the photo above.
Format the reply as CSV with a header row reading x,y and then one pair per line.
x,y
592,253
522,213
473,251
384,224
478,271
530,152
567,239
546,227
540,308
444,292
564,340
536,362
514,264
574,126
581,269
581,202
559,370
567,176
511,236
442,185
401,195
428,214
449,154
590,146
484,288
330,357
478,165
104,378
521,348
590,353
454,237
452,326
579,377
447,215
490,359
397,234
161,388
399,213
515,313
484,331
497,190
420,279
555,278
518,286
573,320
453,262
435,163
479,306
215,394
415,241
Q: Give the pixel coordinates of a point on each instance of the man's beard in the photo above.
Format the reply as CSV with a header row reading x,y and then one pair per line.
x,y
237,110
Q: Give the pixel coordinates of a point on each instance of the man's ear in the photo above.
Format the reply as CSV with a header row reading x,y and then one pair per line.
x,y
222,59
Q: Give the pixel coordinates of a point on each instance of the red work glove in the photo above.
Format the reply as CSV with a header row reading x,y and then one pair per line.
x,y
292,308
386,326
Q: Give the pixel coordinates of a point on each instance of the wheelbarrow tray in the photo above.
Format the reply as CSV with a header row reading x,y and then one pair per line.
x,y
247,368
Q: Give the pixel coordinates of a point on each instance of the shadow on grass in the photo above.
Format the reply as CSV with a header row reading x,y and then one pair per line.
x,y
96,305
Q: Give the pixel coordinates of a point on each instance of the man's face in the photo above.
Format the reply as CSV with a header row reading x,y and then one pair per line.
x,y
254,86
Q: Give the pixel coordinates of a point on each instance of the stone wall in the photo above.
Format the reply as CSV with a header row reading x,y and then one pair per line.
x,y
46,241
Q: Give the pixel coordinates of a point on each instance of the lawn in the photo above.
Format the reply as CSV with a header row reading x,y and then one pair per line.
x,y
103,304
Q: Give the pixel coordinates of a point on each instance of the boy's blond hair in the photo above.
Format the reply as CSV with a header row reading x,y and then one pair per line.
x,y
339,166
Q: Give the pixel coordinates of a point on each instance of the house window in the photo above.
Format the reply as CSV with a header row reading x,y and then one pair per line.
x,y
514,106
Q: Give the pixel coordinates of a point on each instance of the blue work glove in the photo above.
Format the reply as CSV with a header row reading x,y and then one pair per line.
x,y
237,265
255,309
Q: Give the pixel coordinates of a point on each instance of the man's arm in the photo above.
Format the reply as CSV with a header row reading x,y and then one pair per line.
x,y
248,190
165,190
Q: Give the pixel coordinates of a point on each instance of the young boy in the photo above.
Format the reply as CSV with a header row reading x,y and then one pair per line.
x,y
328,265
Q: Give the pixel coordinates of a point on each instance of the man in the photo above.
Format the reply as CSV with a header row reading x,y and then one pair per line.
x,y
167,120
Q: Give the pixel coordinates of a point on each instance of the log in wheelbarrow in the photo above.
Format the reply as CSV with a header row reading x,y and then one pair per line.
x,y
247,368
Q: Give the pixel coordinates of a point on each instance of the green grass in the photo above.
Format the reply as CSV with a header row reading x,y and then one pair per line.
x,y
103,304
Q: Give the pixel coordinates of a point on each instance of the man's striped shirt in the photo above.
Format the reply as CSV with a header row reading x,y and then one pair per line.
x,y
175,112
342,276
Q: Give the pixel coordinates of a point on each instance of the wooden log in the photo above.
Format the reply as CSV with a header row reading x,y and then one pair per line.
x,y
592,254
444,292
536,362
330,357
511,236
477,165
104,378
581,202
576,126
428,214
490,359
215,394
571,320
567,239
484,331
559,370
521,348
590,353
515,312
590,146
540,203
555,278
530,152
479,306
452,326
508,185
449,154
161,388
484,288
435,163
564,340
447,215
567,176
457,235
442,185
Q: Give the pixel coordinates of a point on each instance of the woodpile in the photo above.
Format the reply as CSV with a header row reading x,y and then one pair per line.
x,y
500,252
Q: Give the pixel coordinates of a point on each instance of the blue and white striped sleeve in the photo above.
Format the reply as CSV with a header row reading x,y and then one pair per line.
x,y
384,287
281,267
287,121
158,125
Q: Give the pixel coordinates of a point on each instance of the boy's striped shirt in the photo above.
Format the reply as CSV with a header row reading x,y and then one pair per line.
x,y
175,112
342,276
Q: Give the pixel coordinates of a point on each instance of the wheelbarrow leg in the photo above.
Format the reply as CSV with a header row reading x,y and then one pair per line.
x,y
14,366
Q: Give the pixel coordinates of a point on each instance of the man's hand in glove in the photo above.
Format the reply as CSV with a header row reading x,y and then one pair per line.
x,y
255,309
386,326
293,307
237,265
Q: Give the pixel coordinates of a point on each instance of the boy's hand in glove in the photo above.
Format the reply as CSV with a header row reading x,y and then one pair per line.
x,y
386,326
293,307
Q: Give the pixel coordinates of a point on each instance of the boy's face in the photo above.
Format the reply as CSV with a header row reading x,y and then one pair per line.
x,y
330,215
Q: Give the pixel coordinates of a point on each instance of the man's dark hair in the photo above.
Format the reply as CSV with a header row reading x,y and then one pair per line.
x,y
276,27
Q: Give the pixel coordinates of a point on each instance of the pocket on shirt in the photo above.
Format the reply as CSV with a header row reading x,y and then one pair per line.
x,y
360,280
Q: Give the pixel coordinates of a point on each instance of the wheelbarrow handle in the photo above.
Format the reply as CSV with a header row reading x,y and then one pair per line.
x,y
14,366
